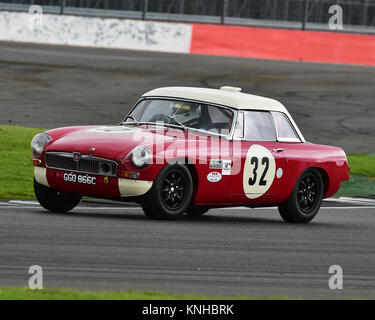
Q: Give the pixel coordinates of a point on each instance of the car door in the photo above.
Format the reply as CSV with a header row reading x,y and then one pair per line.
x,y
259,163
290,147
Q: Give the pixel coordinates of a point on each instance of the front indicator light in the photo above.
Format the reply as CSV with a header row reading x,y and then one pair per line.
x,y
37,162
130,175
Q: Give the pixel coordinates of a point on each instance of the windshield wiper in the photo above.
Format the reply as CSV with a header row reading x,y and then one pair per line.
x,y
178,122
145,123
134,119
165,125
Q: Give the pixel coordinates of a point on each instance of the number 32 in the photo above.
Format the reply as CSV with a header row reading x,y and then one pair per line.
x,y
255,163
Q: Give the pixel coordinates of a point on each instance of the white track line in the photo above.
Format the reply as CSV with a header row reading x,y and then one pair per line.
x,y
6,204
349,201
341,199
29,204
357,199
80,208
139,208
326,208
23,202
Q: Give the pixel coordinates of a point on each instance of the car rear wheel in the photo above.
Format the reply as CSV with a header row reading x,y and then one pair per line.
x,y
55,201
197,210
170,194
305,200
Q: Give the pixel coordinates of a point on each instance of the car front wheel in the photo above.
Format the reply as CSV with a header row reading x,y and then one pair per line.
x,y
55,201
171,193
305,200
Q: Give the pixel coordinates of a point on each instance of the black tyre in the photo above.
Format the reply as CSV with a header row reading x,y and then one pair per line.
x,y
170,194
305,200
197,210
55,201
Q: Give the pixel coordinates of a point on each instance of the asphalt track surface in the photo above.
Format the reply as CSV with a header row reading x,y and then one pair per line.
x,y
228,252
51,86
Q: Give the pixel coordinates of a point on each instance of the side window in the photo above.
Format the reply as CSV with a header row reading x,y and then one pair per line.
x,y
259,126
284,128
221,119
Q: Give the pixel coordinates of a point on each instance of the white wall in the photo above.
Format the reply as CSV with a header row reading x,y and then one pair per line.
x,y
95,32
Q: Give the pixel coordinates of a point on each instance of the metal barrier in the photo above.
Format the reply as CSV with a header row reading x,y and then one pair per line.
x,y
358,15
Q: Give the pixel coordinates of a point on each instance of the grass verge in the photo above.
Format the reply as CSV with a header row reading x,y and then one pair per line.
x,y
362,164
357,186
362,176
67,294
16,170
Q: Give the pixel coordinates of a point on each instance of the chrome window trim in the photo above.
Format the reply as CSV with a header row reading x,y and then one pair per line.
x,y
236,112
286,140
84,156
244,123
229,136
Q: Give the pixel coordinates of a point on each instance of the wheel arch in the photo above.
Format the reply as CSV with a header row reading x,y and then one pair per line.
x,y
189,164
325,178
152,203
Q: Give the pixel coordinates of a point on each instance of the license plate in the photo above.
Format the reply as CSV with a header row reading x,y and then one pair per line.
x,y
77,178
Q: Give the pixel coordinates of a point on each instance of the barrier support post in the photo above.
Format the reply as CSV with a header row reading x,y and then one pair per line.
x,y
62,6
305,13
225,10
145,7
364,13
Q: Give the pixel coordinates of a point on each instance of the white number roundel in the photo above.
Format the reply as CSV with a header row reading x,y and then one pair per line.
x,y
259,171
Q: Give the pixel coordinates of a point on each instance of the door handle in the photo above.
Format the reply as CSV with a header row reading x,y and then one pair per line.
x,y
278,150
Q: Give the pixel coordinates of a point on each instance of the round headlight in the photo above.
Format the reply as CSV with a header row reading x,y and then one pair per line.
x,y
38,143
141,156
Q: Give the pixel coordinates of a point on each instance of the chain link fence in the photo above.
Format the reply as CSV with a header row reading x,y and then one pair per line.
x,y
358,15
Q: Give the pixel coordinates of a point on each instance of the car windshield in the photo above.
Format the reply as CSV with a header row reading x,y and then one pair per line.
x,y
200,116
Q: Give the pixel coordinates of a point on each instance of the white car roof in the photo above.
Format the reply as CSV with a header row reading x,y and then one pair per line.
x,y
227,96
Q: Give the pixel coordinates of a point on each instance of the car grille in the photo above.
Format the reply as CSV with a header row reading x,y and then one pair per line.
x,y
85,163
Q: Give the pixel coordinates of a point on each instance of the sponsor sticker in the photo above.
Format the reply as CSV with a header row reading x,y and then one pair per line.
x,y
216,164
214,177
227,166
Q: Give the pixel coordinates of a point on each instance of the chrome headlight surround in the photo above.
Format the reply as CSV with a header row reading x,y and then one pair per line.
x,y
38,143
140,156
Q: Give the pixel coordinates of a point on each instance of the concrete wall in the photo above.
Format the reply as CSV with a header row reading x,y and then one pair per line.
x,y
250,42
95,32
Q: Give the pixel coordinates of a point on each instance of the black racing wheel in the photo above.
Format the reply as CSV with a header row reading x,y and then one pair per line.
x,y
305,200
171,193
55,201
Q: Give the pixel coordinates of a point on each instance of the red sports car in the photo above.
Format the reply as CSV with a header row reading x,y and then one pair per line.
x,y
186,150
